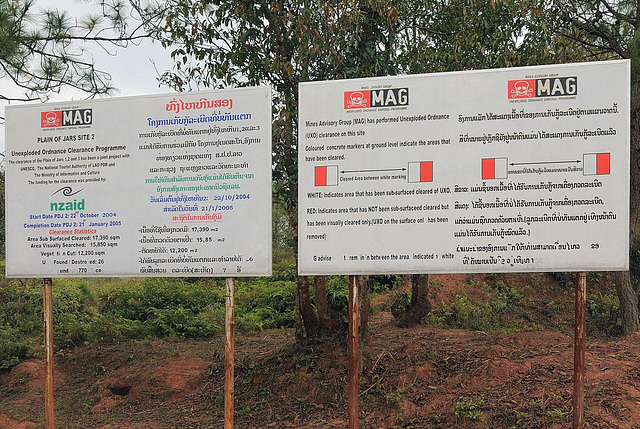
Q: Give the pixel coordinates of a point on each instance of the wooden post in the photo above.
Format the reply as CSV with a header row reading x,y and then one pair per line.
x,y
229,355
47,301
352,351
579,351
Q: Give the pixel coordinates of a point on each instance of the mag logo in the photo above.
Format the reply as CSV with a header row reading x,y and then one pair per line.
x,y
356,99
546,87
389,97
66,118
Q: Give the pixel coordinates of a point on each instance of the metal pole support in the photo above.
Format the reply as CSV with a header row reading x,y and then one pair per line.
x,y
47,300
352,351
229,354
579,351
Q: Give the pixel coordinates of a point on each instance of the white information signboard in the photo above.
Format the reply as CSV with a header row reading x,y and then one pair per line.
x,y
520,169
163,185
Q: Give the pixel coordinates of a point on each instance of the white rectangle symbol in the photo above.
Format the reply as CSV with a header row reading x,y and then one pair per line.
x,y
501,168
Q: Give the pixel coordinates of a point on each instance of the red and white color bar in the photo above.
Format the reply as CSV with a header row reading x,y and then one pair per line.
x,y
596,163
494,168
420,171
326,175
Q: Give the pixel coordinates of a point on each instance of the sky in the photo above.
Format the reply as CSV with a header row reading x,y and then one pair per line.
x,y
132,69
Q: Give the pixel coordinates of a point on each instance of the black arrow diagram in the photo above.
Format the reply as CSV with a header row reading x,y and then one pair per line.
x,y
546,162
373,171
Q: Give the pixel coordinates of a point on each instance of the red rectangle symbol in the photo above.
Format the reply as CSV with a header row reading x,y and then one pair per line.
x,y
356,99
603,165
50,119
488,168
426,171
523,88
321,176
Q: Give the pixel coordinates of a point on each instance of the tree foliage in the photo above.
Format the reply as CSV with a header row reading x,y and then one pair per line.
x,y
220,44
43,51
611,30
280,43
452,35
284,42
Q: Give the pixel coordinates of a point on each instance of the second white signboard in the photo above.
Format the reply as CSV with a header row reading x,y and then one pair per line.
x,y
521,169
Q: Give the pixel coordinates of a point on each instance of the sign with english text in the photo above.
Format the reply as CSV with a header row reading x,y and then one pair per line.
x,y
175,185
507,170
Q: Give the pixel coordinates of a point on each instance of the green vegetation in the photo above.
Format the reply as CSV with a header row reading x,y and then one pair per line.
x,y
43,50
468,409
496,309
110,310
12,350
603,314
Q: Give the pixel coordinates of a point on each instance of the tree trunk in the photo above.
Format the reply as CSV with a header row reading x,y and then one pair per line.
x,y
420,305
300,332
627,295
628,303
363,311
307,323
310,322
322,308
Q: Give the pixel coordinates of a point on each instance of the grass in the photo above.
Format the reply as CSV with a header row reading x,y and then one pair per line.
x,y
112,310
468,409
107,310
498,308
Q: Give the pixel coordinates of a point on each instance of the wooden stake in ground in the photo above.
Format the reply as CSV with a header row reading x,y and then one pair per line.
x,y
579,351
352,351
47,300
229,355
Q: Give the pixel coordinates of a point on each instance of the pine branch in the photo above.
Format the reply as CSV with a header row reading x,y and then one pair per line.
x,y
4,97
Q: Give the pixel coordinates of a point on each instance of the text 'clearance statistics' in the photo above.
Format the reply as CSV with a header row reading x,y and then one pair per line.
x,y
165,185
521,169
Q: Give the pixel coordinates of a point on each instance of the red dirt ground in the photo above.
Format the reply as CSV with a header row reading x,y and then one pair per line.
x,y
412,378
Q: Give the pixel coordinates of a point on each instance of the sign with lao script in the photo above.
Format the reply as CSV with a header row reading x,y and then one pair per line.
x,y
162,185
519,169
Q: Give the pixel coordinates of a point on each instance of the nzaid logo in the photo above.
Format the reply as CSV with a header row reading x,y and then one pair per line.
x,y
543,87
388,97
66,118
67,205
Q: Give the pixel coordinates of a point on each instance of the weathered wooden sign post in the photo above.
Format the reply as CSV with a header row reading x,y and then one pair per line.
x,y
229,354
579,350
175,185
47,300
352,351
489,171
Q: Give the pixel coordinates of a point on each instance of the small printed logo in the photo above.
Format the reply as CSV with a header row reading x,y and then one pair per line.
x,y
67,191
51,119
356,99
388,97
66,118
545,87
521,88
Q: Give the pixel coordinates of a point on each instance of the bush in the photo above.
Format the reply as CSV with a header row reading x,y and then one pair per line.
x,y
468,314
603,315
400,304
266,305
338,294
500,311
285,270
12,351
383,283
